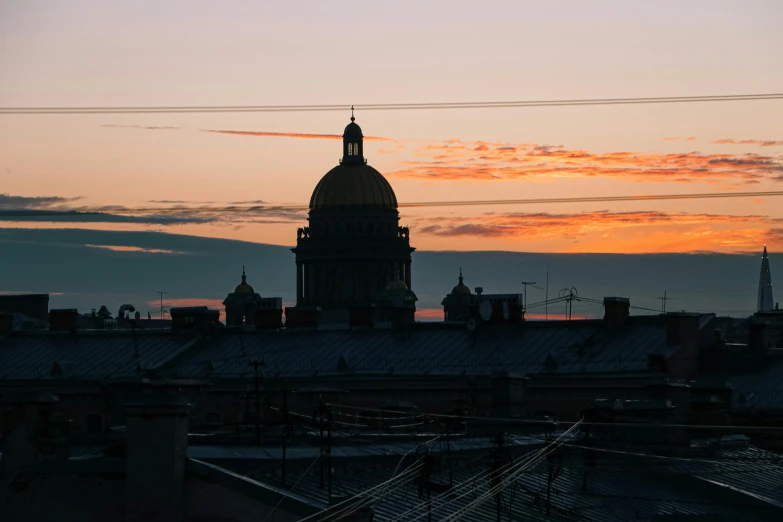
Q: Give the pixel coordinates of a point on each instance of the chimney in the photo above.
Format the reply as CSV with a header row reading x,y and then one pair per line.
x,y
758,340
681,327
199,318
361,317
6,323
302,316
616,312
269,313
157,444
479,290
63,320
26,420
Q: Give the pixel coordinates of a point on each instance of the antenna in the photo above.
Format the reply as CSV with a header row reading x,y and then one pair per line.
x,y
569,294
525,284
663,301
162,311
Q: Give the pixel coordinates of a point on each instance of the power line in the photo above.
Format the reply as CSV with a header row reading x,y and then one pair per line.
x,y
385,106
22,213
570,423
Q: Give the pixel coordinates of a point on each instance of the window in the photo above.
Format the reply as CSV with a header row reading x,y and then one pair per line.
x,y
350,149
360,227
355,149
214,419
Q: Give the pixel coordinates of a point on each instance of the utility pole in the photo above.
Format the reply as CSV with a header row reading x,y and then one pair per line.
x,y
161,303
425,491
285,425
546,293
663,301
496,474
321,426
329,449
552,476
525,284
255,365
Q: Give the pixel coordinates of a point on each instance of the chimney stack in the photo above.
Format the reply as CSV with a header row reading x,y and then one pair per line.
x,y
302,316
157,443
269,314
63,320
198,318
616,312
6,323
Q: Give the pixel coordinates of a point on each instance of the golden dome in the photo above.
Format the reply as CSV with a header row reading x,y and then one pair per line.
x,y
243,287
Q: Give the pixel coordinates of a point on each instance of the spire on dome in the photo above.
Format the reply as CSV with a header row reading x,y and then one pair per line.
x,y
244,277
764,255
352,118
460,275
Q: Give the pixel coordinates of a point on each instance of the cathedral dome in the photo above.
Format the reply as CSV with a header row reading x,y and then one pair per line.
x,y
352,185
244,287
461,288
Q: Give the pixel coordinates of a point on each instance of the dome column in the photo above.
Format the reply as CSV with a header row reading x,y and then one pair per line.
x,y
299,284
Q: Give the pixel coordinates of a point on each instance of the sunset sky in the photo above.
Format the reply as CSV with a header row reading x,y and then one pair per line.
x,y
144,53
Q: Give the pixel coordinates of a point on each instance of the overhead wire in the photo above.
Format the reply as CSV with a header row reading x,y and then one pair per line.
x,y
571,423
386,106
467,483
283,497
538,457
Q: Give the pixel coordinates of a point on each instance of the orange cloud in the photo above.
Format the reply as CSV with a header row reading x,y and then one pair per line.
x,y
671,139
304,135
121,248
633,231
215,304
760,143
486,161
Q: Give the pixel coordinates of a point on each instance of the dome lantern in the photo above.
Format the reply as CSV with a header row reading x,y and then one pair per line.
x,y
353,142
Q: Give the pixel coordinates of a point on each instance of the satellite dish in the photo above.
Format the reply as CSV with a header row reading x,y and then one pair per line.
x,y
485,310
471,324
505,311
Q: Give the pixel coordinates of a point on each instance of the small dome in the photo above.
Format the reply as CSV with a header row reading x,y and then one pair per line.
x,y
353,185
243,287
396,284
461,288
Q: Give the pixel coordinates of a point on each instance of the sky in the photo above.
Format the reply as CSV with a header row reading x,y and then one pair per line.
x,y
145,53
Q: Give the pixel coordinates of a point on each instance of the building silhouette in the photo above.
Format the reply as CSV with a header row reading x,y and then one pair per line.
x,y
765,298
353,247
241,304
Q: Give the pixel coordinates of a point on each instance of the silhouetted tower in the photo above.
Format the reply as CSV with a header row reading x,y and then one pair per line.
x,y
765,285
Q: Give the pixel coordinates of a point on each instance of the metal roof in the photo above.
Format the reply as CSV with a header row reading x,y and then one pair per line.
x,y
578,347
740,484
89,355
